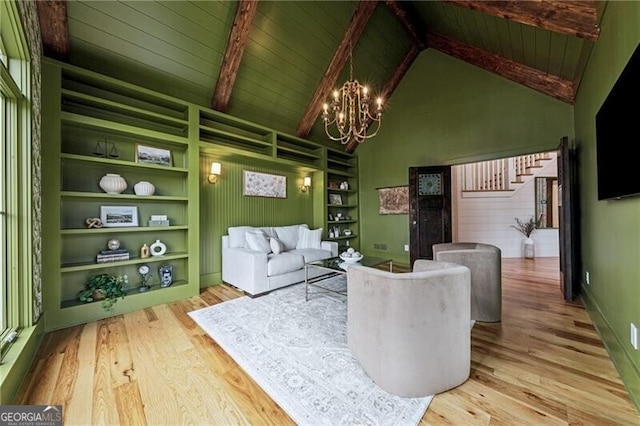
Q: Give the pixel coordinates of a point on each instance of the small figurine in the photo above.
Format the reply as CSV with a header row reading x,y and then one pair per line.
x,y
93,222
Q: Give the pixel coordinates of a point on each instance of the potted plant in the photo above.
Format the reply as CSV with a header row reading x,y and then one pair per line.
x,y
526,228
105,287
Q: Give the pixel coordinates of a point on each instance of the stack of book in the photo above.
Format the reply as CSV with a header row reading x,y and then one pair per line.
x,y
112,255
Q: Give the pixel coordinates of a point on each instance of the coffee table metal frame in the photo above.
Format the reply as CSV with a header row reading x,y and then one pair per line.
x,y
333,268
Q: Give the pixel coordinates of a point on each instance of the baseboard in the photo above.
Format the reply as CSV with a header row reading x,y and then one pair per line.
x,y
209,280
620,356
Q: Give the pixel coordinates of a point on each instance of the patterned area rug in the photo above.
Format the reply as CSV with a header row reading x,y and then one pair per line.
x,y
297,352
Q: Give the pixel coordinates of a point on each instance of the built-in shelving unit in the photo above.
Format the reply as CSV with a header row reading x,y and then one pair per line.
x,y
94,125
342,198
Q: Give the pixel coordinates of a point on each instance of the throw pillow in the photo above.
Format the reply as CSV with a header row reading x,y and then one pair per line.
x,y
257,240
276,245
309,239
289,235
237,236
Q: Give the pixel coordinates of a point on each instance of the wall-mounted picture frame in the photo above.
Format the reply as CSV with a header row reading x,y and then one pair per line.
x,y
335,199
264,185
394,200
151,155
118,216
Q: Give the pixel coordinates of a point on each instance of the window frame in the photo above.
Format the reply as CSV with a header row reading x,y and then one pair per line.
x,y
16,193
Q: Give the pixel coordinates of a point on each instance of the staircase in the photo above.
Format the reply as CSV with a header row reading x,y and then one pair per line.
x,y
502,175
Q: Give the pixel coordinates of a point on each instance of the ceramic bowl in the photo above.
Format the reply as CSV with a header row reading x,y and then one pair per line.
x,y
352,259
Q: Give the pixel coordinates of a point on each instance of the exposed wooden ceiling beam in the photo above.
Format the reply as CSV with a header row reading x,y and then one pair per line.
x,y
410,19
391,84
233,55
571,17
52,16
548,84
358,22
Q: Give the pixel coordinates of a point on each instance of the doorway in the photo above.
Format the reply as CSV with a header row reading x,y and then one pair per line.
x,y
485,212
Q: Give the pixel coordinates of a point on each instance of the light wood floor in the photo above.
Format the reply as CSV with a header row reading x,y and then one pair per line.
x,y
543,364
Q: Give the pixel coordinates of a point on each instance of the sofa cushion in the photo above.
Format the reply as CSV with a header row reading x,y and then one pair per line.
x,y
276,245
258,240
237,237
311,255
282,263
309,239
289,235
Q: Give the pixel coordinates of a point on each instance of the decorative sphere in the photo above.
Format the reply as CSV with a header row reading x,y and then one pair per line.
x,y
113,244
351,250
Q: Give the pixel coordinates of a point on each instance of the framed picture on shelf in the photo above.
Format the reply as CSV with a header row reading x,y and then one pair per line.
x,y
119,216
151,155
330,217
335,199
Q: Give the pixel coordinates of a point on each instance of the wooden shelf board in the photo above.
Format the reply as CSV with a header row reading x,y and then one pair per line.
x,y
109,230
88,266
124,163
104,195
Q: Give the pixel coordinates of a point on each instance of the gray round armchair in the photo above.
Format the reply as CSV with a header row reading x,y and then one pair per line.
x,y
411,332
485,263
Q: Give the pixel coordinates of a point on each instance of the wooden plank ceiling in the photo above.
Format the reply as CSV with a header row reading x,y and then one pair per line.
x,y
275,63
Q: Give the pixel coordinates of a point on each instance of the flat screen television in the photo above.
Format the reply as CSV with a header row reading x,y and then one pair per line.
x,y
618,135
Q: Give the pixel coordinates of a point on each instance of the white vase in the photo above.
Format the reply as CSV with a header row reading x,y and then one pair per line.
x,y
529,248
158,248
144,188
112,183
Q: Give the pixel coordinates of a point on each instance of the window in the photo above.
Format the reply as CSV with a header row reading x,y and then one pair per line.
x,y
15,176
3,263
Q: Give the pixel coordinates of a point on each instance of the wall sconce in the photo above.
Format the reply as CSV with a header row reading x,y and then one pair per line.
x,y
306,184
215,172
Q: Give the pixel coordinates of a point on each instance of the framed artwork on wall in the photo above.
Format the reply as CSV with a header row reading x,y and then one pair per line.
x,y
394,200
264,185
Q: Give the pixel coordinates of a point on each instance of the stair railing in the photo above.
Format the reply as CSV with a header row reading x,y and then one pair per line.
x,y
497,175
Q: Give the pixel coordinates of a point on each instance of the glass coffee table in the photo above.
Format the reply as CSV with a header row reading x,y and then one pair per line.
x,y
336,266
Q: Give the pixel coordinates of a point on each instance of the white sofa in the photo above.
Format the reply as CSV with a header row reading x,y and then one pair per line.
x,y
260,259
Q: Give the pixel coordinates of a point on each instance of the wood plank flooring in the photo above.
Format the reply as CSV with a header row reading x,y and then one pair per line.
x,y
542,365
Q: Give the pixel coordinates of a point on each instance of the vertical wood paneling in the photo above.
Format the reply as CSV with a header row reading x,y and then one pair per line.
x,y
223,205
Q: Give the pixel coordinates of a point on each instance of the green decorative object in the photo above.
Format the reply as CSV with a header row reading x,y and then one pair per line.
x,y
105,287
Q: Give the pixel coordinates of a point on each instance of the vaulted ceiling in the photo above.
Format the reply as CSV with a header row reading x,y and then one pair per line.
x,y
275,62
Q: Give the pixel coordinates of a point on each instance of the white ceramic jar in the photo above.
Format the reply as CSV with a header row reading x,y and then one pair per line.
x,y
144,188
112,183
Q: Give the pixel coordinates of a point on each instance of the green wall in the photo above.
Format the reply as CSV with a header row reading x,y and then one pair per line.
x,y
223,205
610,229
449,112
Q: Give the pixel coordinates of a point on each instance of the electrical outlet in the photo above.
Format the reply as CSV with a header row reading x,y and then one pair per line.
x,y
586,277
406,247
634,336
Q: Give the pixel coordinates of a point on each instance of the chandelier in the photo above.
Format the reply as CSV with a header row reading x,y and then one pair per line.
x,y
352,112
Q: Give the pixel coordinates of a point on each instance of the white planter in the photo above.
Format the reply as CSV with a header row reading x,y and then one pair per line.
x,y
112,183
529,248
144,188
